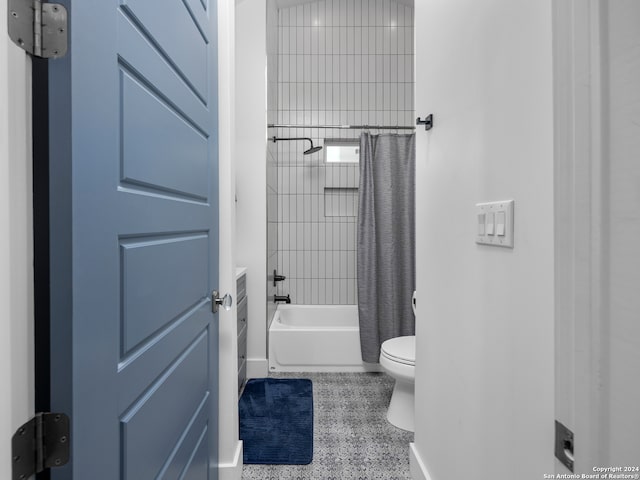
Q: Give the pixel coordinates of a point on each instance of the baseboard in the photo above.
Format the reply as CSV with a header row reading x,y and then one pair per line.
x,y
418,468
257,367
233,470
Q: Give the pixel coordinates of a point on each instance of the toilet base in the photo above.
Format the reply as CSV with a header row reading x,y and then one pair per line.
x,y
401,407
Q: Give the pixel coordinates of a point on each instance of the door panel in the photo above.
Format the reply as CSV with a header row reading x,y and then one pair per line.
x,y
134,183
197,467
135,49
148,444
149,150
145,365
187,52
192,455
166,276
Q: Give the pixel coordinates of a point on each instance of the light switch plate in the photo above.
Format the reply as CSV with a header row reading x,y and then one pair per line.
x,y
491,210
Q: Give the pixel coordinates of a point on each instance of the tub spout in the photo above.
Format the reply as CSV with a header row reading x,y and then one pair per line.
x,y
281,298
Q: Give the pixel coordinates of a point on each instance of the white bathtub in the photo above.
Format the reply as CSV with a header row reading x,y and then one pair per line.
x,y
316,338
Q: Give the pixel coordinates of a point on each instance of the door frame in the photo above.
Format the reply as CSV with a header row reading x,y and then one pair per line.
x,y
580,177
229,445
16,244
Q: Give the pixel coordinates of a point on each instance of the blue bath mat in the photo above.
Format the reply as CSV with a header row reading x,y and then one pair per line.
x,y
276,421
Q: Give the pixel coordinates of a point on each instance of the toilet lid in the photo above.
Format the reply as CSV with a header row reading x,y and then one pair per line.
x,y
400,349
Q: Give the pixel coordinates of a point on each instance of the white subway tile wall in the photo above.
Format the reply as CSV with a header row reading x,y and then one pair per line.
x,y
340,62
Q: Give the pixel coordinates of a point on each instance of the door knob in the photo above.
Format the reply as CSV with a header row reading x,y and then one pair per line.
x,y
224,302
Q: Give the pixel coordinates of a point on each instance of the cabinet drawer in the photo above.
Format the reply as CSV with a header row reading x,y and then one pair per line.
x,y
242,358
241,287
242,315
242,374
242,344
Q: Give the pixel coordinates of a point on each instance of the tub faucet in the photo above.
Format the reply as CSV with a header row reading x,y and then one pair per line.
x,y
281,298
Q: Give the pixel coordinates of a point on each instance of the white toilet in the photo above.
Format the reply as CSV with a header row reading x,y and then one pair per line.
x,y
398,358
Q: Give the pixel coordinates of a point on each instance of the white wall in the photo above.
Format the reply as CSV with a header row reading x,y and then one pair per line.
x,y
251,172
16,244
485,323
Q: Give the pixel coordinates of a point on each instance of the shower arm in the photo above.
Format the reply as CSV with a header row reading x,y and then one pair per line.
x,y
311,149
280,139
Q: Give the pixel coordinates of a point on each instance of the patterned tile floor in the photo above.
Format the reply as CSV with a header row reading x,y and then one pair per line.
x,y
352,438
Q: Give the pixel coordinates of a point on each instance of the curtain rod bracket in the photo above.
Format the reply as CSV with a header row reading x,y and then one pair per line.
x,y
427,122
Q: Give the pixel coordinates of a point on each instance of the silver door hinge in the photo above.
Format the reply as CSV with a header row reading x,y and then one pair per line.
x,y
41,443
37,27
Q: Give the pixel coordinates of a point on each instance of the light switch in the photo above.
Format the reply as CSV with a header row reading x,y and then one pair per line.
x,y
490,223
481,220
500,223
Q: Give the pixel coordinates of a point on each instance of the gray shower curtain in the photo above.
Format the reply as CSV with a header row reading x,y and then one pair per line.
x,y
386,240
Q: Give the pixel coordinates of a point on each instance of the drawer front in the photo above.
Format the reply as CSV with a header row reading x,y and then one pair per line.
x,y
242,315
242,375
242,358
241,287
242,345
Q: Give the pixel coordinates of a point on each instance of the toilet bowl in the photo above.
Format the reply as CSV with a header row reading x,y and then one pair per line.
x,y
397,357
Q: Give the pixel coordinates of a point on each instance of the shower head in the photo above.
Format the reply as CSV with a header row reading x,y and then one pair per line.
x,y
311,149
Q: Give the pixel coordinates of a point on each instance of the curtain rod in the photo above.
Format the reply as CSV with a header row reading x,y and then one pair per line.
x,y
346,127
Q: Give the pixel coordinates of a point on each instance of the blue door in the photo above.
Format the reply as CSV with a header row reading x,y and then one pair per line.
x,y
134,239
